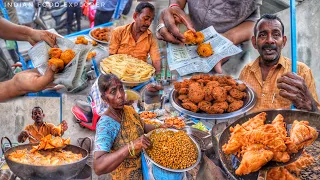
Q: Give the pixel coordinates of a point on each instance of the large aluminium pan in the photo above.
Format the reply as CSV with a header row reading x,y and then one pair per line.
x,y
65,171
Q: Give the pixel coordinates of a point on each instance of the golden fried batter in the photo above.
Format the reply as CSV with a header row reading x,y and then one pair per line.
x,y
241,87
177,85
235,93
199,37
190,106
196,93
205,50
218,108
219,94
182,97
55,52
57,62
208,95
230,99
204,105
67,56
236,105
213,83
91,55
190,37
183,91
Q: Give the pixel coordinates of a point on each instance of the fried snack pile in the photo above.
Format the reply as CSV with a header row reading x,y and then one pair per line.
x,y
259,143
101,34
90,55
175,122
193,37
127,68
211,94
205,50
44,158
84,41
287,172
48,152
152,122
48,143
60,58
148,115
173,150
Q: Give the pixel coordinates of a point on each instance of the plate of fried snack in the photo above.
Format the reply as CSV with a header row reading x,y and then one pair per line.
x,y
197,38
173,150
154,122
148,115
85,41
130,70
266,139
212,96
60,58
175,122
101,35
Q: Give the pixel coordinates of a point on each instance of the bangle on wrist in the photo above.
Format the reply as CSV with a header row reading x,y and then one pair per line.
x,y
133,151
129,150
172,5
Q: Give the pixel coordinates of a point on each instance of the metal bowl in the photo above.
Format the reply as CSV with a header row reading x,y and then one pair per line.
x,y
104,42
249,103
289,116
175,170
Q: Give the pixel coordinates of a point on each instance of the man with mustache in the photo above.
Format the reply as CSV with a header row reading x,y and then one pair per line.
x,y
40,128
270,74
136,39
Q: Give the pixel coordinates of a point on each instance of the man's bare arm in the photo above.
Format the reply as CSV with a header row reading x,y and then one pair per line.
x,y
241,33
182,3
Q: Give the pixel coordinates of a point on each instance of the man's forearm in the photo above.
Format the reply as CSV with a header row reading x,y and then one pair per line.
x,y
182,3
157,65
11,31
242,32
8,90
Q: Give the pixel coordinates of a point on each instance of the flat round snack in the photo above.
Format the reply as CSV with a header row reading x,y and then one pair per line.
x,y
205,50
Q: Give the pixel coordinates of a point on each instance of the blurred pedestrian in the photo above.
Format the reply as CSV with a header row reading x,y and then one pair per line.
x,y
106,9
73,7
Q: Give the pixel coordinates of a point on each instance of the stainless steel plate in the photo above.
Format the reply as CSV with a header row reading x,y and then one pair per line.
x,y
104,42
174,170
249,103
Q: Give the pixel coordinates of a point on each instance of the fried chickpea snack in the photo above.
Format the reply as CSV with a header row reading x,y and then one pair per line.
x,y
67,56
57,62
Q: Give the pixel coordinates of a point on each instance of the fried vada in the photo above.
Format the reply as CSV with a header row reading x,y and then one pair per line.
x,y
205,50
57,62
55,52
67,56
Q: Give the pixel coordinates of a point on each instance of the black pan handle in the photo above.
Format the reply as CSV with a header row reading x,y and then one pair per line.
x,y
2,143
90,143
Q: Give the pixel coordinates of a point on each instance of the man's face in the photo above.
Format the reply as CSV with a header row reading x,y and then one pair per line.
x,y
269,41
37,116
144,19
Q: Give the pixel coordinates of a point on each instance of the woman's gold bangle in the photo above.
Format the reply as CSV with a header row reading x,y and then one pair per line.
x,y
133,151
129,149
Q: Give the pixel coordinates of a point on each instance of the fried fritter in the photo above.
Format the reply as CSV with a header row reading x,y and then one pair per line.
x,y
94,43
227,88
208,96
205,76
67,56
241,87
55,52
199,37
91,55
219,94
230,99
57,62
213,83
204,105
234,106
218,108
177,85
196,93
235,93
182,97
190,106
231,81
205,50
190,37
183,91
196,77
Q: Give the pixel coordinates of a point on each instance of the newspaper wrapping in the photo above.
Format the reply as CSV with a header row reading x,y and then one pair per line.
x,y
71,74
185,59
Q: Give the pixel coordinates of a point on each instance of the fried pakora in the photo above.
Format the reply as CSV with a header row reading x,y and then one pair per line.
x,y
219,94
205,50
81,40
55,52
57,62
217,108
204,105
91,55
67,56
190,106
235,93
193,37
235,105
199,37
195,92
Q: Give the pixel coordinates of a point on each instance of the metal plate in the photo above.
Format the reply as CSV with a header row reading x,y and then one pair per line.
x,y
289,117
249,103
175,170
103,42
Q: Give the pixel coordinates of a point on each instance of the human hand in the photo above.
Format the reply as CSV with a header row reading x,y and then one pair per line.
x,y
32,80
42,35
154,88
294,88
64,125
170,17
218,66
24,134
141,143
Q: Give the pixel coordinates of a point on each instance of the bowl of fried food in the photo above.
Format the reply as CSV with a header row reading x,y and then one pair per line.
x,y
60,58
175,122
101,35
130,70
262,140
212,97
173,150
